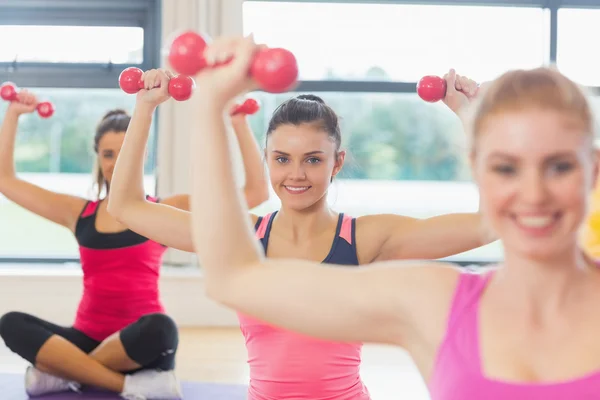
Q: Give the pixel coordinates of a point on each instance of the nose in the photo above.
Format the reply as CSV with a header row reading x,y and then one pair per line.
x,y
298,172
534,188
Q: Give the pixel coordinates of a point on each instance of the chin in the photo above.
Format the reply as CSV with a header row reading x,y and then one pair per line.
x,y
544,250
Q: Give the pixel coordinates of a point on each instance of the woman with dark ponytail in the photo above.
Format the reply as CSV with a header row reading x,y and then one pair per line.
x,y
121,339
304,154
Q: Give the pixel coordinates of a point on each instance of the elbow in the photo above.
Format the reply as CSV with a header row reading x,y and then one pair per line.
x,y
218,290
5,181
214,293
224,286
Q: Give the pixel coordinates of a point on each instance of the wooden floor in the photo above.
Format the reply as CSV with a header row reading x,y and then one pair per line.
x,y
219,355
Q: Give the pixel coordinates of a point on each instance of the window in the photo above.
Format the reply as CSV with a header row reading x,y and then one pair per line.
x,y
57,154
400,42
72,44
390,136
404,156
70,53
575,56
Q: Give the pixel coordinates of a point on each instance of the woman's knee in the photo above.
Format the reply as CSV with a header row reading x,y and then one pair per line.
x,y
11,326
161,329
152,338
152,331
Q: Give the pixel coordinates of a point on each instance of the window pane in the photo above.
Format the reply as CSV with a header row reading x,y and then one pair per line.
x,y
71,44
404,156
576,27
401,42
57,154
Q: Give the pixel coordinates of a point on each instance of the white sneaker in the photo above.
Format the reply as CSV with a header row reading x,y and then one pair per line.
x,y
152,385
38,383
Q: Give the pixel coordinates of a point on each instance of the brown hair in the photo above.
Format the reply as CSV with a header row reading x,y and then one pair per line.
x,y
113,121
541,88
307,109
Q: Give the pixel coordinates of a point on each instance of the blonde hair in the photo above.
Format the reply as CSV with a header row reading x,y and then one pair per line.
x,y
540,88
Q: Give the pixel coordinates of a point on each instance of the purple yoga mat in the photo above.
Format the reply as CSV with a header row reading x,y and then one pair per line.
x,y
11,388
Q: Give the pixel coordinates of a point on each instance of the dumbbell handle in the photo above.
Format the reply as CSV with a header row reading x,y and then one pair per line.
x,y
248,107
180,87
275,69
8,92
432,88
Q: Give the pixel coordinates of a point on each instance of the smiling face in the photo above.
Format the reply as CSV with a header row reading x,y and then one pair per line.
x,y
302,161
535,170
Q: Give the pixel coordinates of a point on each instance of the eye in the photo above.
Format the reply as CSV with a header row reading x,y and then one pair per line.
x,y
561,167
504,169
313,160
281,159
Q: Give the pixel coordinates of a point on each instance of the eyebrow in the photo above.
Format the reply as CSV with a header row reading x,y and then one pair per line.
x,y
551,157
310,153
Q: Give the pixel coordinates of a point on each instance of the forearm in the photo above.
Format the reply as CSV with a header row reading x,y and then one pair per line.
x,y
8,132
127,186
256,187
221,229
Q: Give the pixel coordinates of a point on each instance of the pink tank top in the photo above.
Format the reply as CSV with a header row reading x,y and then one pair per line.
x,y
120,277
457,373
286,365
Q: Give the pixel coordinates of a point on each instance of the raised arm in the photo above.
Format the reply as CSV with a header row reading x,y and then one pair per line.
x,y
395,237
390,237
256,188
376,304
60,208
167,222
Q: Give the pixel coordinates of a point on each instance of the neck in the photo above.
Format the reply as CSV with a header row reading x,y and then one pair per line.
x,y
545,284
303,225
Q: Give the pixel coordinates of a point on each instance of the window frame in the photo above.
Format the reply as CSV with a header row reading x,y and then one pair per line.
x,y
145,14
374,86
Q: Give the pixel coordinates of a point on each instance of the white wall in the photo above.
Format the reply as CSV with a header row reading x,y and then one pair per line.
x,y
53,293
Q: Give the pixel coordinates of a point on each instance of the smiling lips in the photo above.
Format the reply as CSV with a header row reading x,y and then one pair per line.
x,y
296,189
537,224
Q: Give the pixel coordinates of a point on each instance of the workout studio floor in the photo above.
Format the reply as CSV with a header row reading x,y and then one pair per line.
x,y
219,355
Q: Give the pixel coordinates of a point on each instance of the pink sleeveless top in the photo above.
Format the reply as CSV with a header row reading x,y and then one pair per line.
x,y
121,273
458,375
287,365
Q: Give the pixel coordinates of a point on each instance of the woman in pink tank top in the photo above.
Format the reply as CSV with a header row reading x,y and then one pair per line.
x,y
121,339
303,154
527,329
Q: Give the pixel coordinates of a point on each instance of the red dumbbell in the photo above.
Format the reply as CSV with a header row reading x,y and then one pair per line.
x,y
276,69
180,86
248,107
431,88
8,92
